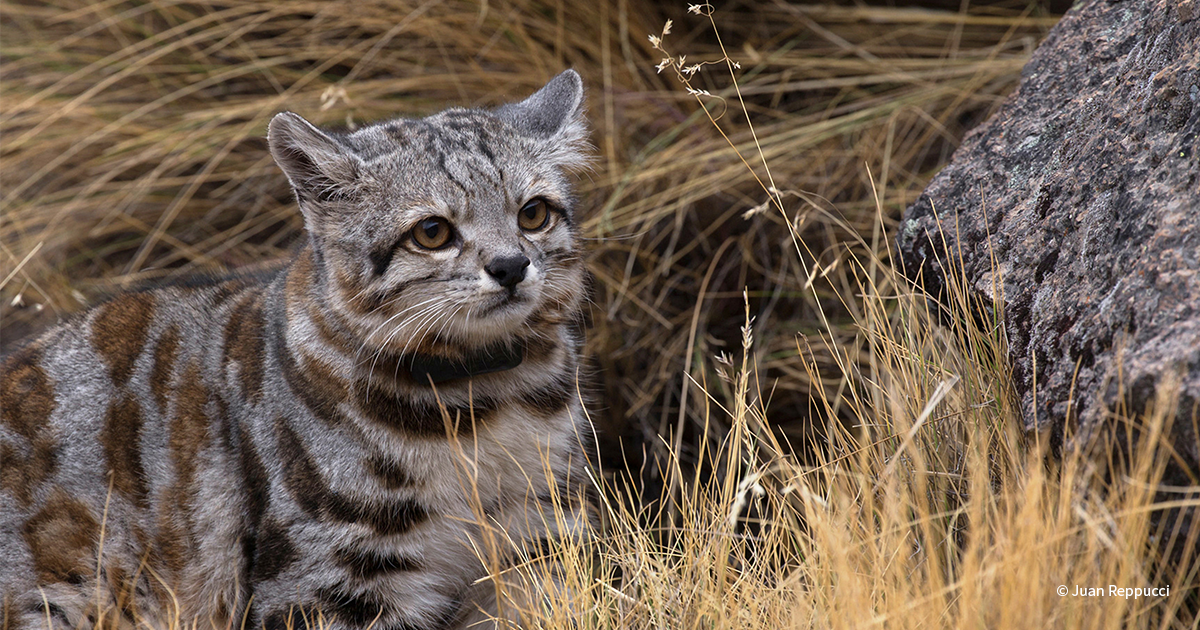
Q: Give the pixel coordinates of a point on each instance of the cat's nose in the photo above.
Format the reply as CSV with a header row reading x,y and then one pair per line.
x,y
508,270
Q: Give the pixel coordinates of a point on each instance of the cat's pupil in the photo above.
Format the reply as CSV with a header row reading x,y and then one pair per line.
x,y
534,215
432,233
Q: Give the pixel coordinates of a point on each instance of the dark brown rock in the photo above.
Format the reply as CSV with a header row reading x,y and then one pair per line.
x,y
1083,190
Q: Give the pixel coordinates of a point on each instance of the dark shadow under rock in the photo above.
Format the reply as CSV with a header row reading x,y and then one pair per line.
x,y
1083,192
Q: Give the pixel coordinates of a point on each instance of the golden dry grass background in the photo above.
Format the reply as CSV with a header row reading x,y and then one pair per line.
x,y
133,151
841,461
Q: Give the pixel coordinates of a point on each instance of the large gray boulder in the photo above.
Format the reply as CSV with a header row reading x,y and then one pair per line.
x,y
1083,193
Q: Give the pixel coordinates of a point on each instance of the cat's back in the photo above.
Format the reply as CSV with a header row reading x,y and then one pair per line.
x,y
106,415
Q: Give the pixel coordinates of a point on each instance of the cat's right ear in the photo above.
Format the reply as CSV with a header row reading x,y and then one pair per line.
x,y
554,110
320,169
554,115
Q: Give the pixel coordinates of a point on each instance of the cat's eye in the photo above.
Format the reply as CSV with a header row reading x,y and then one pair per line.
x,y
433,233
534,215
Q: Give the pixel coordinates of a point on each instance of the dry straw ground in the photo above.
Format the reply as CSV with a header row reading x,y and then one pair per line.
x,y
788,439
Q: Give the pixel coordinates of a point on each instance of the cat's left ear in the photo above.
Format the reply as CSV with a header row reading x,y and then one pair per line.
x,y
553,112
321,170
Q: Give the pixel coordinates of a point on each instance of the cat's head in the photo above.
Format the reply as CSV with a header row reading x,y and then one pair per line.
x,y
454,229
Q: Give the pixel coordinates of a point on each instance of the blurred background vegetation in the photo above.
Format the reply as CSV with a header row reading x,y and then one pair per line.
x,y
133,151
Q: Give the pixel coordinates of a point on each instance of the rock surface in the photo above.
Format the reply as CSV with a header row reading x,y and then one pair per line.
x,y
1083,191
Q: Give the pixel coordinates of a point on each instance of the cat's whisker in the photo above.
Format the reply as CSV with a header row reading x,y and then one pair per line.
x,y
470,312
431,300
429,311
427,328
419,305
387,321
418,323
424,315
448,319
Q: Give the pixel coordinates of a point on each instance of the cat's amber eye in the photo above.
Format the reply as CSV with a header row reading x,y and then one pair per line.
x,y
534,215
433,233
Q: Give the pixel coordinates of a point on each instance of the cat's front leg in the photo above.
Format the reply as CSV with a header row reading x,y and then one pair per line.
x,y
531,576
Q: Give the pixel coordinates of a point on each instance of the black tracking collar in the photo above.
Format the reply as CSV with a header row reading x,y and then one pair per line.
x,y
497,358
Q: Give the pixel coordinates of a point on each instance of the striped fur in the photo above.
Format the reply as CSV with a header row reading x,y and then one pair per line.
x,y
257,449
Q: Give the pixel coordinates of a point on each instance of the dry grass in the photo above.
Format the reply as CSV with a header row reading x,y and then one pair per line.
x,y
133,150
841,462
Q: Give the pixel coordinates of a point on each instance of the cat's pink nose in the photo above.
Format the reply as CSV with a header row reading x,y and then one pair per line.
x,y
508,270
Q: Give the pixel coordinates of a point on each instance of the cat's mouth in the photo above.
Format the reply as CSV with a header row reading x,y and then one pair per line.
x,y
503,300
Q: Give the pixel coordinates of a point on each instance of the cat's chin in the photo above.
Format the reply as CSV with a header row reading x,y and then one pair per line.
x,y
497,318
